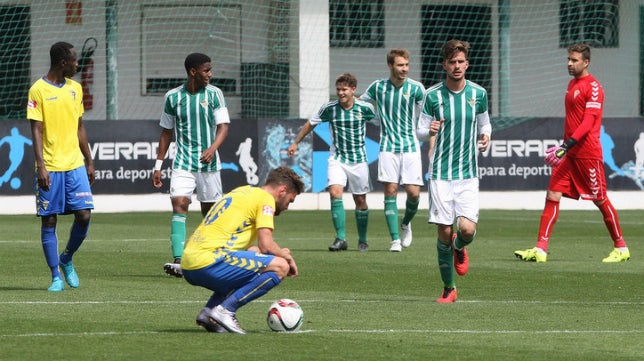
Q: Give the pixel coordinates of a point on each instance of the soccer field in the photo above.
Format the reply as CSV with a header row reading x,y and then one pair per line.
x,y
357,306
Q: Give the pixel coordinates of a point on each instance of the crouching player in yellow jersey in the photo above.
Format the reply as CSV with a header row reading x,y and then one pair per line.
x,y
222,256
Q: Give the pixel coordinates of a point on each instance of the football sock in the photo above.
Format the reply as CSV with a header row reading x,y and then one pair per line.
x,y
548,220
411,207
339,217
391,216
76,237
177,234
256,288
611,220
445,263
215,300
362,220
460,242
50,247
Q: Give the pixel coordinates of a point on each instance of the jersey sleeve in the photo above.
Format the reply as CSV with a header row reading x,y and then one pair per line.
x,y
34,105
265,212
168,116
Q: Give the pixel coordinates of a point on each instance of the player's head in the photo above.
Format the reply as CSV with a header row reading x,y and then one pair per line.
x,y
346,79
62,56
578,60
455,59
345,89
199,69
285,185
398,63
453,47
395,52
582,49
194,60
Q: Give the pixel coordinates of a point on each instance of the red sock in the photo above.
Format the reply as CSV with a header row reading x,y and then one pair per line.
x,y
548,220
612,223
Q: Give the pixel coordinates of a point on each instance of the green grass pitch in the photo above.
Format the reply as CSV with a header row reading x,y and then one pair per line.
x,y
357,306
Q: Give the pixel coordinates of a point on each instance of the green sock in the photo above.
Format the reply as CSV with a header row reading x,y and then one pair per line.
x,y
391,215
177,234
460,242
362,219
339,217
445,263
411,207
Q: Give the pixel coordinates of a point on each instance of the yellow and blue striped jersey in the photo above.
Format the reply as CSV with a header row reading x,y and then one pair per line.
x,y
230,225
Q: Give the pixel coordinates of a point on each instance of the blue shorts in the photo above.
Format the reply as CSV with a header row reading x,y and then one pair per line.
x,y
68,192
230,271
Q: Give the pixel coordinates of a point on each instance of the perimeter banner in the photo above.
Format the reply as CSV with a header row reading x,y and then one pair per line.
x,y
124,153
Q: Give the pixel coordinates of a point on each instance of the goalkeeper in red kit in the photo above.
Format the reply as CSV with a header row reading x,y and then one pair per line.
x,y
577,164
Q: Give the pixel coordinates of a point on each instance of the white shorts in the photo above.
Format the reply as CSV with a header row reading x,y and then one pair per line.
x,y
354,176
207,185
402,168
449,200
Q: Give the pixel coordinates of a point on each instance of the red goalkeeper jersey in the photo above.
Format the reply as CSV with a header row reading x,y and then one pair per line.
x,y
584,107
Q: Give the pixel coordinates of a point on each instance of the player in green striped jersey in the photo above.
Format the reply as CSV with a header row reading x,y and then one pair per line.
x,y
398,100
348,165
456,122
196,114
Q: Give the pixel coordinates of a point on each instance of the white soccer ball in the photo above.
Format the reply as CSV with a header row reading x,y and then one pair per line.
x,y
285,315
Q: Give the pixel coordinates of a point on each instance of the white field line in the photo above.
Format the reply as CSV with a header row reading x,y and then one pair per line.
x,y
402,331
428,301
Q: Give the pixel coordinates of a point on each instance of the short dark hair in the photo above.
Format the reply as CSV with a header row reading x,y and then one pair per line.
x,y
194,60
60,51
583,49
455,46
393,53
285,176
348,79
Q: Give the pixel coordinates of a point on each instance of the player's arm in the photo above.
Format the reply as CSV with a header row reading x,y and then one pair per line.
x,y
306,129
484,129
267,245
41,172
222,120
164,143
84,148
221,134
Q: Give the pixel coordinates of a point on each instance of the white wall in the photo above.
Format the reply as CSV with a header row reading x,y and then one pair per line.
x,y
537,73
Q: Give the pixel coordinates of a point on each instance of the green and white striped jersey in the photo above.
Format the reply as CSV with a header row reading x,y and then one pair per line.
x,y
455,153
398,109
194,118
347,129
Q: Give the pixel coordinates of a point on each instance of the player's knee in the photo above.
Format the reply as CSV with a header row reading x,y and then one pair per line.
x,y
279,266
82,217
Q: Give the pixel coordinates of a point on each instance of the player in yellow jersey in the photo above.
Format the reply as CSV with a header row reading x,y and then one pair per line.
x,y
64,166
232,252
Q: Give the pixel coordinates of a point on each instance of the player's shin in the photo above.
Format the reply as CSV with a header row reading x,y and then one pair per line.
x,y
253,290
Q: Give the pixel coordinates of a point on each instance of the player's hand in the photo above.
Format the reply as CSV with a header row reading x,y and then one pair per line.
x,y
483,143
156,179
292,150
435,126
292,270
554,155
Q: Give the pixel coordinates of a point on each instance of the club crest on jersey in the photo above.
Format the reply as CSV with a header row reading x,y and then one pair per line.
x,y
73,94
574,95
268,210
204,104
471,102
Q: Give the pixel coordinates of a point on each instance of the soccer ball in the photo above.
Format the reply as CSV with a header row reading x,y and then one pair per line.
x,y
285,315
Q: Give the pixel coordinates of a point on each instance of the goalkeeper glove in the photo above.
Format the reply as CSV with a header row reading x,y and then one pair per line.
x,y
556,153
